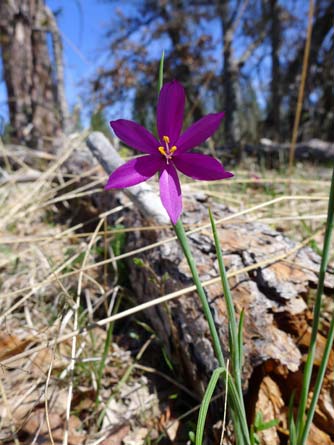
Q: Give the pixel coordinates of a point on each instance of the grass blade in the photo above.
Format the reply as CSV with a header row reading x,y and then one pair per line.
x,y
161,71
240,339
235,353
318,383
205,404
316,314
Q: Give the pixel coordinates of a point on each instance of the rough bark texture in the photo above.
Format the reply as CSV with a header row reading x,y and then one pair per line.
x,y
230,77
28,73
57,45
272,280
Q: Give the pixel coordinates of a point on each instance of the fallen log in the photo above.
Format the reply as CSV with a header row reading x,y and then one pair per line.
x,y
271,279
277,154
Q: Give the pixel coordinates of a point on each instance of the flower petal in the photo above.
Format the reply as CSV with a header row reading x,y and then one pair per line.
x,y
135,136
135,171
170,111
170,192
199,166
198,132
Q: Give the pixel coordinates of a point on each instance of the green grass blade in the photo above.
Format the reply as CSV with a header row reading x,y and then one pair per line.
x,y
291,420
161,71
205,404
240,339
318,383
241,428
239,414
252,435
267,425
240,439
316,314
235,353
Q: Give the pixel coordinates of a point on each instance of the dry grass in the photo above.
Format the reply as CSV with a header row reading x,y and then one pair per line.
x,y
57,279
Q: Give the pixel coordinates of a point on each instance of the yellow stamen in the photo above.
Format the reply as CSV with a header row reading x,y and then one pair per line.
x,y
166,139
173,149
162,151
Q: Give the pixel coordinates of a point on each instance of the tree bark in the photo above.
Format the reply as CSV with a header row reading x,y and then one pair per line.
x,y
28,74
275,115
230,78
59,71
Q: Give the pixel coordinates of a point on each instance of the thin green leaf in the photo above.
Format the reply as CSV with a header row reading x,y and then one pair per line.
x,y
241,339
229,305
291,421
293,433
167,359
316,314
318,382
252,434
205,404
191,435
258,419
161,71
267,425
138,262
241,427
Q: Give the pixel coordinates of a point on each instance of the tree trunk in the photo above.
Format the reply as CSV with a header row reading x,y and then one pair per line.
x,y
230,78
33,109
59,70
274,114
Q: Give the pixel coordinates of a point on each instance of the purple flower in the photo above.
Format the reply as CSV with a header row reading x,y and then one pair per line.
x,y
170,152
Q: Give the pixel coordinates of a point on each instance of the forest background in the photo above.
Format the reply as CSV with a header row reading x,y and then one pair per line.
x,y
244,57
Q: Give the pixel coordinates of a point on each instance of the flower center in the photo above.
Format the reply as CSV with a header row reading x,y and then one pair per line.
x,y
166,150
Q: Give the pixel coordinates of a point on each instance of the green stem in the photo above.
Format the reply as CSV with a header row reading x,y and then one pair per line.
x,y
161,72
316,315
318,383
240,425
235,353
182,237
235,331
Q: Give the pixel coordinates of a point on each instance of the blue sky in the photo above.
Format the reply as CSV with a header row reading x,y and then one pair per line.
x,y
82,24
